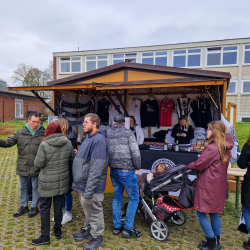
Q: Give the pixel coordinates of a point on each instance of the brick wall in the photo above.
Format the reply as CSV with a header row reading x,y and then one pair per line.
x,y
9,107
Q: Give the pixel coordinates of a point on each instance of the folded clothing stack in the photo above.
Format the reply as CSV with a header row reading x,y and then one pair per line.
x,y
199,133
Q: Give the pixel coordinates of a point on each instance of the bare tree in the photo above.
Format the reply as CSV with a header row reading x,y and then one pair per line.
x,y
28,75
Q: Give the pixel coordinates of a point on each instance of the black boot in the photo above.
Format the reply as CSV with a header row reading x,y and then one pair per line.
x,y
203,242
33,212
246,244
22,210
211,244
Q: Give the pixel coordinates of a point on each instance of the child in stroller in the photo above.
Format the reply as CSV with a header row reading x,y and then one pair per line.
x,y
166,206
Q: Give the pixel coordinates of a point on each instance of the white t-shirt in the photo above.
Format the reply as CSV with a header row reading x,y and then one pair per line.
x,y
134,108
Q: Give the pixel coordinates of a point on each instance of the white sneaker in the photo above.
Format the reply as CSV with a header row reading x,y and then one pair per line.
x,y
53,217
66,218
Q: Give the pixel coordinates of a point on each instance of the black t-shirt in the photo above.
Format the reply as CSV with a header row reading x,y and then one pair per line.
x,y
150,114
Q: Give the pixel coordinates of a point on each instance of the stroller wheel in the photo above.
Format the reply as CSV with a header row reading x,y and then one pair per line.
x,y
159,230
179,218
123,214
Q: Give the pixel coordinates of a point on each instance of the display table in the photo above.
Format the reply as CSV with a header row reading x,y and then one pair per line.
x,y
237,172
151,157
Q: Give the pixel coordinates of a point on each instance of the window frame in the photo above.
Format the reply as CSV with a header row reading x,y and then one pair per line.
x,y
18,100
221,55
236,84
242,83
124,57
70,65
96,60
186,54
154,56
243,57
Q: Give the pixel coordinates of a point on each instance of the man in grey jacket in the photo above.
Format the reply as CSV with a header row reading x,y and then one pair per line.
x,y
124,162
90,169
28,140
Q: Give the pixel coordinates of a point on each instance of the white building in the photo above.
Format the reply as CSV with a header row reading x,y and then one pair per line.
x,y
231,55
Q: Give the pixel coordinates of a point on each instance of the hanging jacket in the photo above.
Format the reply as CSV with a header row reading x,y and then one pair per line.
x,y
210,191
90,165
54,156
27,146
243,162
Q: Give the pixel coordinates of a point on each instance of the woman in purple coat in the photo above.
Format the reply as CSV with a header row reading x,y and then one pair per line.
x,y
210,191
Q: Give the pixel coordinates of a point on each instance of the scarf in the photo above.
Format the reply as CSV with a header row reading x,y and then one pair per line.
x,y
31,130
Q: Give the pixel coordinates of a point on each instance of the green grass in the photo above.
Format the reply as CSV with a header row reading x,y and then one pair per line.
x,y
242,132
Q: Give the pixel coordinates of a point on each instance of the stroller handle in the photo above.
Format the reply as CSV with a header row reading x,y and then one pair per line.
x,y
169,181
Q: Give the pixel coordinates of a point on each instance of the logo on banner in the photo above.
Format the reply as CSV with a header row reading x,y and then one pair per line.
x,y
167,162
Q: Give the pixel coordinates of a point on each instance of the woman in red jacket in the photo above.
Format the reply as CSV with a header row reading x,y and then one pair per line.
x,y
210,191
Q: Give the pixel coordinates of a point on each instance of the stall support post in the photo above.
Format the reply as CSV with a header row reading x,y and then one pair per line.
x,y
149,132
53,101
224,96
126,99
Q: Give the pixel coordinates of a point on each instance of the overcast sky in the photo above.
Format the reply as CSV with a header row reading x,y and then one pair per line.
x,y
31,30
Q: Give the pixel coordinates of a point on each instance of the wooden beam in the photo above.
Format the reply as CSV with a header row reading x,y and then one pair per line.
x,y
112,102
229,111
121,102
126,99
45,103
160,85
224,96
51,88
218,100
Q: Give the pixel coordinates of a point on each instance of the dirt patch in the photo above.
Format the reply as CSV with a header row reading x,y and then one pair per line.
x,y
7,129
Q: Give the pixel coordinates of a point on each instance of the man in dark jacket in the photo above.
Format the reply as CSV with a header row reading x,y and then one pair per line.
x,y
124,162
28,140
90,168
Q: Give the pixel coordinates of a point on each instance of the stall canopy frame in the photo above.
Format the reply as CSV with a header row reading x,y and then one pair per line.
x,y
123,77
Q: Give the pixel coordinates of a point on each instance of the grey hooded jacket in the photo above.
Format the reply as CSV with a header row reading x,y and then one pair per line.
x,y
90,165
123,149
54,156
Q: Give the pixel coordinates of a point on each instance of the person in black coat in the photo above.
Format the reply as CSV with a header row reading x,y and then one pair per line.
x,y
183,132
243,162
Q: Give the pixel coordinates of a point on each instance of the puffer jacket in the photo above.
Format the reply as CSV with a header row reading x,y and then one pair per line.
x,y
243,162
27,146
54,156
210,191
90,165
123,149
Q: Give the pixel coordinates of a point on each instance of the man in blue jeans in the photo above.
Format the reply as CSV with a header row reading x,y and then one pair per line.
x,y
124,162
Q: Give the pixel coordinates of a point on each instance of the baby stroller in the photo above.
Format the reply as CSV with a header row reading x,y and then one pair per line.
x,y
166,207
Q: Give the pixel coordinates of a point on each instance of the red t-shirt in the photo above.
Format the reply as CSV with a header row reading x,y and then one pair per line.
x,y
166,107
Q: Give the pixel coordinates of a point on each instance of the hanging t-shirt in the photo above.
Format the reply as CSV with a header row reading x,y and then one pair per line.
x,y
166,107
150,113
113,111
183,106
103,111
134,107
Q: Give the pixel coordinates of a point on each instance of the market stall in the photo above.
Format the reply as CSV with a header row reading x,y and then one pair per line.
x,y
155,95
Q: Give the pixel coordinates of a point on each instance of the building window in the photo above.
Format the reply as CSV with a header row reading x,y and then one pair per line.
x,y
247,54
124,57
218,56
231,88
96,62
187,58
19,108
246,87
155,58
70,64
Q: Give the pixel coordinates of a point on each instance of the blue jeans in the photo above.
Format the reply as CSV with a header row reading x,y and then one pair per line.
x,y
68,202
210,230
124,180
246,214
24,191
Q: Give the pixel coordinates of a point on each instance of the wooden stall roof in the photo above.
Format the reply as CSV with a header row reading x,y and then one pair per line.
x,y
126,74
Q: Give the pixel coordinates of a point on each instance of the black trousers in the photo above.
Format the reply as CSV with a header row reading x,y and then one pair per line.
x,y
45,205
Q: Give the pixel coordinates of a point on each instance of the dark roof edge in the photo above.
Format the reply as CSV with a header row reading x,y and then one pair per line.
x,y
20,95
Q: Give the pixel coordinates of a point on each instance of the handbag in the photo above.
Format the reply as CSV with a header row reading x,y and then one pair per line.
x,y
186,197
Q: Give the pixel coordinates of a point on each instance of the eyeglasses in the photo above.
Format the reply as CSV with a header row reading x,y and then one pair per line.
x,y
209,129
34,122
85,122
